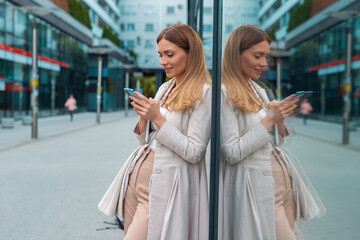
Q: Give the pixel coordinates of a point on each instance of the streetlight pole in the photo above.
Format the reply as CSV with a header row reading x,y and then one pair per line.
x,y
126,97
99,89
347,82
278,79
34,82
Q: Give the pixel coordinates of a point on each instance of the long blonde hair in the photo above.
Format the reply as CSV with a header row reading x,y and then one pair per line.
x,y
190,88
238,90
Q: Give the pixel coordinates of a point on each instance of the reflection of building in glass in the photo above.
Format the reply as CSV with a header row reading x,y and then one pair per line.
x,y
317,47
65,65
141,23
235,13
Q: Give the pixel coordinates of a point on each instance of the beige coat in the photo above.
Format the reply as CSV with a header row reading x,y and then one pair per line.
x,y
247,191
178,187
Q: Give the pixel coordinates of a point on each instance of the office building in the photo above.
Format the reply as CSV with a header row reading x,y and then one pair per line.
x,y
316,47
67,55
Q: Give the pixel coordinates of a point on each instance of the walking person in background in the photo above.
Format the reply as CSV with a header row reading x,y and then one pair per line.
x,y
262,194
164,195
305,109
71,106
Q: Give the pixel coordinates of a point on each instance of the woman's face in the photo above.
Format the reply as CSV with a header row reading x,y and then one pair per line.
x,y
173,58
253,60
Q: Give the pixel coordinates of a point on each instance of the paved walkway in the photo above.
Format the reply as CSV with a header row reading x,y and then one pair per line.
x,y
54,126
326,132
51,186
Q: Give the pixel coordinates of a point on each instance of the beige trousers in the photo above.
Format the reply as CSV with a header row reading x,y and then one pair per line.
x,y
284,199
136,202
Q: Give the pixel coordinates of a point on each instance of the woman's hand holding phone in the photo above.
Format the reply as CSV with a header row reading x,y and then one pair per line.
x,y
279,110
148,109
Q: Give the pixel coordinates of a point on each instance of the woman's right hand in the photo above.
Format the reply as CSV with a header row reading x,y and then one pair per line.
x,y
279,110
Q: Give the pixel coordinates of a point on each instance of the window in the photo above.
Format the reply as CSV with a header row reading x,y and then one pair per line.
x,y
130,27
149,10
128,10
207,28
208,10
149,44
228,28
169,24
149,27
148,59
138,40
170,10
130,43
122,26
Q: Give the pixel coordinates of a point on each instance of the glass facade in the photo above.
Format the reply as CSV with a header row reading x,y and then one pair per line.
x,y
64,68
318,64
113,83
62,65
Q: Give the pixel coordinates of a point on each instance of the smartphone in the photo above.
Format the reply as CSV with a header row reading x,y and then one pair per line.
x,y
302,95
130,91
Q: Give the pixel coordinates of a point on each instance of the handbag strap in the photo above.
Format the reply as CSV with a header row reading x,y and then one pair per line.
x,y
162,101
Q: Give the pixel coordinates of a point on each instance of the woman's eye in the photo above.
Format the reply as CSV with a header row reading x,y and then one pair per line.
x,y
257,57
170,55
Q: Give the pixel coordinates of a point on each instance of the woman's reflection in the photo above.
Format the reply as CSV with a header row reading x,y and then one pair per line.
x,y
260,196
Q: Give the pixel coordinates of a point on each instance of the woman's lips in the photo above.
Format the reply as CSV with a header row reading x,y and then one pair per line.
x,y
168,69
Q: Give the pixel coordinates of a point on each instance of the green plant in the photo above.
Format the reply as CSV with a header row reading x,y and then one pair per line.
x,y
271,33
300,15
80,12
146,83
107,33
132,53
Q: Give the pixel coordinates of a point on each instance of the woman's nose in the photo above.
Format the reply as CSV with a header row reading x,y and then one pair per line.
x,y
264,62
163,61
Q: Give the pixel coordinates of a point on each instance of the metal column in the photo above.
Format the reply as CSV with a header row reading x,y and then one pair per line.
x,y
34,83
125,96
201,18
347,82
99,90
278,78
215,120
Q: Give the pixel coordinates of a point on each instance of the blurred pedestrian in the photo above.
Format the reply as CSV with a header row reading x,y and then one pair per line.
x,y
164,195
71,106
262,193
305,108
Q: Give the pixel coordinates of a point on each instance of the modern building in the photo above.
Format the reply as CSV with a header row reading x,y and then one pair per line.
x,y
235,14
141,23
67,55
313,33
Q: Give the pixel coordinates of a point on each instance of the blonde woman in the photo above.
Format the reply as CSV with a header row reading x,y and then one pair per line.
x,y
166,194
262,193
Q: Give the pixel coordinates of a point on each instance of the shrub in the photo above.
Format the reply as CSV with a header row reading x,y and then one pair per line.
x,y
79,12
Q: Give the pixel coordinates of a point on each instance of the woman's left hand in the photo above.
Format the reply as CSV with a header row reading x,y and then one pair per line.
x,y
148,109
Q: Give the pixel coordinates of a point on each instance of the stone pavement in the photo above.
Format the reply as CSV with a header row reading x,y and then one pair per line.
x,y
50,187
334,172
54,126
326,132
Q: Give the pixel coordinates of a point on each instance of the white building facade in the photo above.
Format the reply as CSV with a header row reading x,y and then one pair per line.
x,y
141,23
235,14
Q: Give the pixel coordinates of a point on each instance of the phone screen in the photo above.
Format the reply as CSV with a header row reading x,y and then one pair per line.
x,y
131,92
302,95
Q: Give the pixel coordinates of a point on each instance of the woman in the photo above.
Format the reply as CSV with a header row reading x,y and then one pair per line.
x,y
263,193
71,106
166,194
